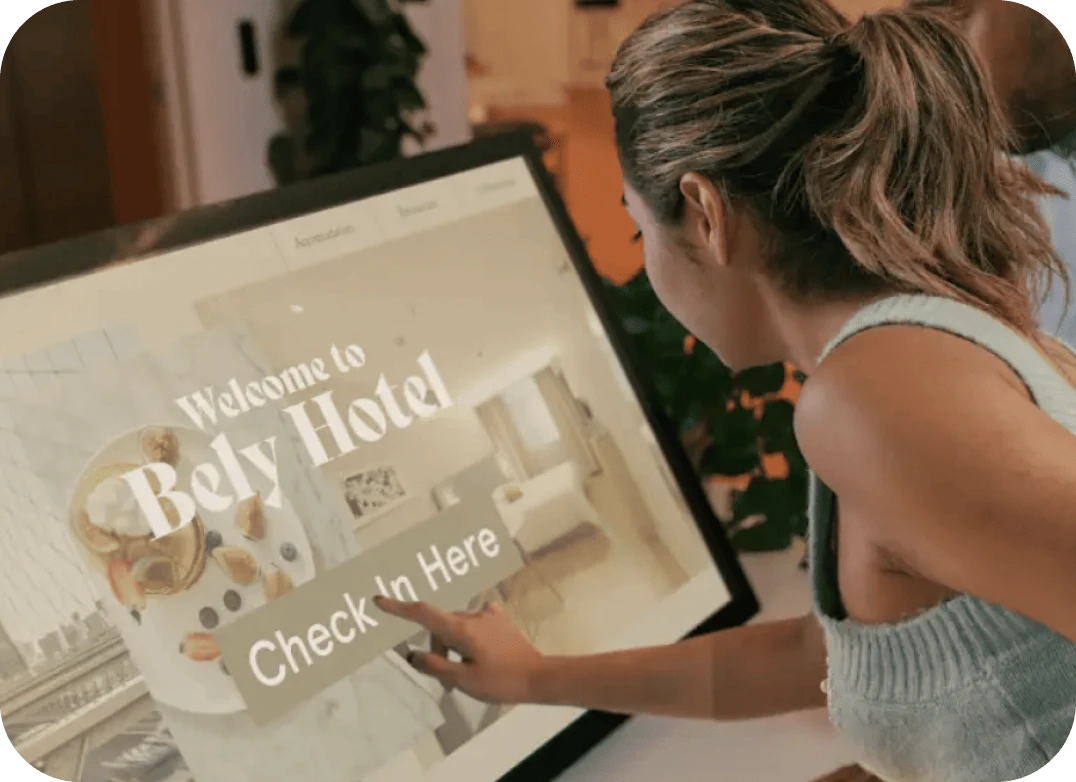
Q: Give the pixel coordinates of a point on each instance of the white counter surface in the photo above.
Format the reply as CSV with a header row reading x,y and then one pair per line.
x,y
797,748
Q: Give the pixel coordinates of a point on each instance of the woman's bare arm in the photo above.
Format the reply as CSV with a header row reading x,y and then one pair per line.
x,y
968,484
747,672
744,673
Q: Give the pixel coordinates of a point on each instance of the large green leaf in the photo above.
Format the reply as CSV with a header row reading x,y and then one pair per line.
x,y
763,381
764,537
729,459
282,159
697,389
777,427
359,61
781,510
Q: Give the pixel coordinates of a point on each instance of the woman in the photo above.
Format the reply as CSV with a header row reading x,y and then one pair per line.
x,y
830,195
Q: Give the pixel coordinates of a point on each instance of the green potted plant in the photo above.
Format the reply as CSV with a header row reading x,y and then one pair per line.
x,y
348,89
730,423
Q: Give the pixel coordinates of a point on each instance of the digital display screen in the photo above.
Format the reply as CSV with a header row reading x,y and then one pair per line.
x,y
213,458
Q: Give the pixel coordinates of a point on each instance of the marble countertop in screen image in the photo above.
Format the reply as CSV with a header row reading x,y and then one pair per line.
x,y
348,730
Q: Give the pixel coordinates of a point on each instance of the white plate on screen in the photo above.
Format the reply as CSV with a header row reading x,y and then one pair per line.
x,y
157,633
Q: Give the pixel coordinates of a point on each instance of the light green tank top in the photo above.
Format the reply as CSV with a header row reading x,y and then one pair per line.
x,y
966,691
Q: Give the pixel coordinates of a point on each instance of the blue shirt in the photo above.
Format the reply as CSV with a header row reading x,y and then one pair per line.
x,y
1058,167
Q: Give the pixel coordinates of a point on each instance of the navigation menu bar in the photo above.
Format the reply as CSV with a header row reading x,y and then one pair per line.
x,y
323,236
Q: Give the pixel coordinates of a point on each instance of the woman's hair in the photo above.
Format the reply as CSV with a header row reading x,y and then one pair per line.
x,y
873,150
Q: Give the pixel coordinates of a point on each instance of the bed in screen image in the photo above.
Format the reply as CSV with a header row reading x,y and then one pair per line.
x,y
212,459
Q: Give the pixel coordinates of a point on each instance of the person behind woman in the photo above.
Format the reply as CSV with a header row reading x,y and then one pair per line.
x,y
1042,99
1030,69
1029,66
833,195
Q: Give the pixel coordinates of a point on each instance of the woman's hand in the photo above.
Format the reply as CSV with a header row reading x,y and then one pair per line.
x,y
498,664
748,672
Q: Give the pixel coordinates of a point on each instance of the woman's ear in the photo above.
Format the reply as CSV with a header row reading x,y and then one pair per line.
x,y
706,218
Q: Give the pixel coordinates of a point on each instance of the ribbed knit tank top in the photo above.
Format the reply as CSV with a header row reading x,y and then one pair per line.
x,y
966,691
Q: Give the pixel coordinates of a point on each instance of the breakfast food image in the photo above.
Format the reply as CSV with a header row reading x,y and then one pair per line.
x,y
96,539
232,600
251,518
156,574
209,618
159,444
239,564
170,594
113,530
276,583
129,593
112,507
200,647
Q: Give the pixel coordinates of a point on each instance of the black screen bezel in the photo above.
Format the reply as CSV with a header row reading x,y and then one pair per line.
x,y
48,264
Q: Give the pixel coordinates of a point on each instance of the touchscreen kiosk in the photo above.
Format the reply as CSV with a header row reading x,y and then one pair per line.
x,y
212,457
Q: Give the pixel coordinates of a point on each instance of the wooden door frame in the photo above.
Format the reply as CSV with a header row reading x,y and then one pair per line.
x,y
135,135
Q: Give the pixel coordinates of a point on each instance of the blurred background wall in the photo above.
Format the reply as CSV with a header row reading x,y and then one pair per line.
x,y
112,111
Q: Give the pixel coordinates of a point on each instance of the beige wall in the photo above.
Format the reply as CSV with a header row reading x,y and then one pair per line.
x,y
533,49
522,47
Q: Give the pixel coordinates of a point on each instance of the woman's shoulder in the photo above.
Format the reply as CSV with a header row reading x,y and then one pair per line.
x,y
936,444
903,368
888,392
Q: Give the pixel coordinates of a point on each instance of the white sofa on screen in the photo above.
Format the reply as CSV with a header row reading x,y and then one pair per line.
x,y
544,509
